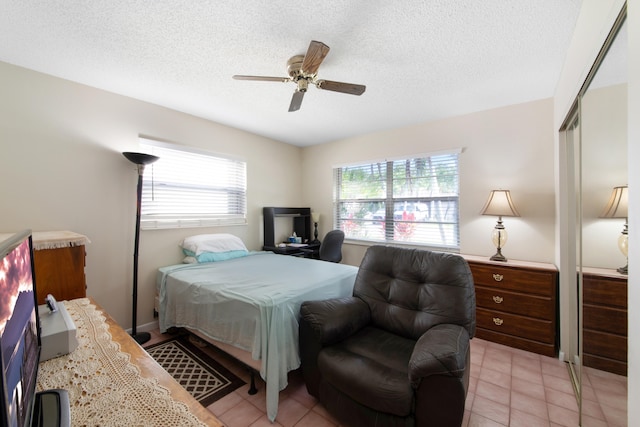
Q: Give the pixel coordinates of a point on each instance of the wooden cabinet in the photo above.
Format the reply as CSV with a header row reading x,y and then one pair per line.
x,y
59,261
604,313
516,304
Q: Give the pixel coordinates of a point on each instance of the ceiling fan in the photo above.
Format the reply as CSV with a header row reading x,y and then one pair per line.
x,y
303,70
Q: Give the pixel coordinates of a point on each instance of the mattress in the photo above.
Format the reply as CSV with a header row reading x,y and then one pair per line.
x,y
252,303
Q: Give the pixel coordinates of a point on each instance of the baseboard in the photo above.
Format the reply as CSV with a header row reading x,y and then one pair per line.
x,y
147,327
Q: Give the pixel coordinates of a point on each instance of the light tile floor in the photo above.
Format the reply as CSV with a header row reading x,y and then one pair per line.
x,y
508,387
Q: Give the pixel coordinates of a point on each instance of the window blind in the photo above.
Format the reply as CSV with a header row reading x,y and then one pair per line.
x,y
187,188
413,200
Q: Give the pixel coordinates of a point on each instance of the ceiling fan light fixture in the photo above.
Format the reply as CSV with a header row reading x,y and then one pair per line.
x,y
294,64
303,84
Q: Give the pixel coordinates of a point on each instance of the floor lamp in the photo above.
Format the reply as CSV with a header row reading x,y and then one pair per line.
x,y
141,160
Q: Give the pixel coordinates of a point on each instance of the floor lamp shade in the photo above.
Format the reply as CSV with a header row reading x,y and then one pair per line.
x,y
141,160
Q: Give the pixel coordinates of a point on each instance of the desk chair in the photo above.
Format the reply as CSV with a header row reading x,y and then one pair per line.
x,y
331,247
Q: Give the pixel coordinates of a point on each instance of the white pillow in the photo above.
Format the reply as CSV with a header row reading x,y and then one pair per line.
x,y
220,242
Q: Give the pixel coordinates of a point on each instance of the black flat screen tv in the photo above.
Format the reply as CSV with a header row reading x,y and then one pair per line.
x,y
19,331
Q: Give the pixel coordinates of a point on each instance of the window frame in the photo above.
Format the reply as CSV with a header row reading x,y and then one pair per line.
x,y
170,220
390,202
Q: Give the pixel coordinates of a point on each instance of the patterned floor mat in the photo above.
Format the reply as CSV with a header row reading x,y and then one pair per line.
x,y
196,371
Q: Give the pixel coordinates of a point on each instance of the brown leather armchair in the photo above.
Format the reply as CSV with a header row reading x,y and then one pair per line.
x,y
396,353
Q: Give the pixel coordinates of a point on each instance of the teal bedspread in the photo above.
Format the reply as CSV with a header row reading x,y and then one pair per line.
x,y
252,303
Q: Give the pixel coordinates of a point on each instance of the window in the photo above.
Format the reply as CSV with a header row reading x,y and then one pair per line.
x,y
409,200
190,188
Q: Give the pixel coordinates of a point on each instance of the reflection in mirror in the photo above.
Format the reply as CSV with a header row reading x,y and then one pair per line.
x,y
600,359
604,155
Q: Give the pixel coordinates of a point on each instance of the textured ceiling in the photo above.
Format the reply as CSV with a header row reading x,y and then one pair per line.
x,y
421,60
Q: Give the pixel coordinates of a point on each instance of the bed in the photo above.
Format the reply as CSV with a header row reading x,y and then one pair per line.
x,y
250,305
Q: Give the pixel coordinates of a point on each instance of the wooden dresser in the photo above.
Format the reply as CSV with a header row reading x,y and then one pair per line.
x,y
516,303
604,312
59,260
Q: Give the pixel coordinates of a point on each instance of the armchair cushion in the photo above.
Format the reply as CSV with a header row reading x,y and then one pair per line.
x,y
370,367
411,290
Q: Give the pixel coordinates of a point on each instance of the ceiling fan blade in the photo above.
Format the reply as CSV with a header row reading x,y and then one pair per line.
x,y
350,88
314,57
263,78
296,100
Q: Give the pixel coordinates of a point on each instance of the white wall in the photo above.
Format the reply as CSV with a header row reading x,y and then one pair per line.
x,y
509,148
62,169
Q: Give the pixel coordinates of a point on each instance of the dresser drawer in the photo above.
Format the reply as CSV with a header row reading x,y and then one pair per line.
x,y
604,364
528,281
605,291
605,345
519,326
604,319
516,342
515,303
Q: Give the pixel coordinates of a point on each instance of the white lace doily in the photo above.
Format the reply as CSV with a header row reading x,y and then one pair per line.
x,y
104,388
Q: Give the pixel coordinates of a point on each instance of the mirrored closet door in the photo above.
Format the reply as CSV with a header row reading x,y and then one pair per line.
x,y
595,138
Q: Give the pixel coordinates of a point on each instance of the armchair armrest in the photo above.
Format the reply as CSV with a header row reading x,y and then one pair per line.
x,y
335,319
442,350
324,323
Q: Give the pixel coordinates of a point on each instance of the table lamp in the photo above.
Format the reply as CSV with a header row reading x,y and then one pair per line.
x,y
315,217
499,204
617,207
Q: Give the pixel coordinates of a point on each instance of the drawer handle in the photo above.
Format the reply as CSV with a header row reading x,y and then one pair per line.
x,y
497,299
497,321
498,277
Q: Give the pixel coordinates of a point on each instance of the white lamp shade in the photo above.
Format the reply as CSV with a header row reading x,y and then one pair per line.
x,y
618,204
315,217
499,204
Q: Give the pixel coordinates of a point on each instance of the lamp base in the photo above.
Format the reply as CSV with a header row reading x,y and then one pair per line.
x,y
141,337
623,270
498,256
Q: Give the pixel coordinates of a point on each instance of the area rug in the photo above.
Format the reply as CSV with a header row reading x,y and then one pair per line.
x,y
204,378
